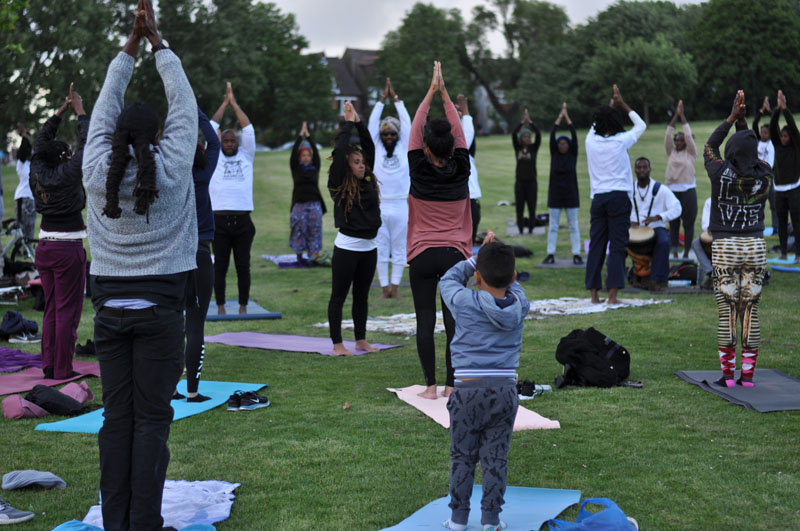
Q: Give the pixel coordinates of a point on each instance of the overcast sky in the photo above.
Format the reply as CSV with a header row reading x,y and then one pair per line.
x,y
331,25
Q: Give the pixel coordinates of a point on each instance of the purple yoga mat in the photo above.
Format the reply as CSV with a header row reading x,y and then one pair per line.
x,y
12,360
22,381
320,345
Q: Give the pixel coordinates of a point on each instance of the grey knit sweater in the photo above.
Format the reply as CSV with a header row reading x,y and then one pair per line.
x,y
129,246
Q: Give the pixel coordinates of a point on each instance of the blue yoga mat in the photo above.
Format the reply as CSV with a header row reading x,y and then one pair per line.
x,y
254,311
218,391
786,269
526,508
782,261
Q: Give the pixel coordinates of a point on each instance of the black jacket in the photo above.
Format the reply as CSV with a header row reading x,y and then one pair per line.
x,y
787,158
563,189
364,219
306,181
526,156
58,190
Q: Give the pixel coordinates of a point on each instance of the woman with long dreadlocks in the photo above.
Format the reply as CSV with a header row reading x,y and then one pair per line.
x,y
739,188
357,215
439,220
611,190
142,228
55,181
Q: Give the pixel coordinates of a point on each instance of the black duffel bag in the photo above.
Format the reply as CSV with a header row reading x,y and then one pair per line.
x,y
590,358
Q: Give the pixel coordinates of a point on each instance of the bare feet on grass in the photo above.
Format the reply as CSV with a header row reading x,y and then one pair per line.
x,y
340,350
362,344
393,293
220,309
385,293
448,390
429,392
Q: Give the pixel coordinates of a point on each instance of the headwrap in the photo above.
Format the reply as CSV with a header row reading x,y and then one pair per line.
x,y
525,131
390,123
565,137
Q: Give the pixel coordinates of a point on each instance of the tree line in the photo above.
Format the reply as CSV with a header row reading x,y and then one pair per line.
x,y
655,51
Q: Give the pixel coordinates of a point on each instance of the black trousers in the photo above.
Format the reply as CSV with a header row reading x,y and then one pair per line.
x,y
140,354
424,273
525,193
356,268
688,200
475,208
233,233
787,203
610,221
196,317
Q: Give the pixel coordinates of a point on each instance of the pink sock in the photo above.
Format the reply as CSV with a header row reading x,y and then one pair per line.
x,y
749,358
727,362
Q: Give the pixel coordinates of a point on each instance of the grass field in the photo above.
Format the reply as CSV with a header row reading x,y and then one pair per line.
x,y
669,454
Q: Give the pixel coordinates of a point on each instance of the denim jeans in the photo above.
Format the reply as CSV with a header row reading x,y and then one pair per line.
x,y
574,231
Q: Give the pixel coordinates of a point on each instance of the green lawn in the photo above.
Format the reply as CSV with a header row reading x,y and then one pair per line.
x,y
670,455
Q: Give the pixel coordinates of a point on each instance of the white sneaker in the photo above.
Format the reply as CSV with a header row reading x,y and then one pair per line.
x,y
499,527
25,337
9,515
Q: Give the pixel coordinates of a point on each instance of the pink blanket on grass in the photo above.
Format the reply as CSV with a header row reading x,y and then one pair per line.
x,y
437,409
19,382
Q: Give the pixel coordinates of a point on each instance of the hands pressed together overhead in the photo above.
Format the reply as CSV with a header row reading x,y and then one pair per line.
x,y
563,115
73,100
350,114
739,108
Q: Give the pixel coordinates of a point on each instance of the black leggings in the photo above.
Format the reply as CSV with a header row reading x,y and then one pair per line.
x,y
688,200
356,268
234,232
525,193
196,317
425,271
787,203
475,208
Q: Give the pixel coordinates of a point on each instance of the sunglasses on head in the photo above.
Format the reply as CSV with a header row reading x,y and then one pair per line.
x,y
388,133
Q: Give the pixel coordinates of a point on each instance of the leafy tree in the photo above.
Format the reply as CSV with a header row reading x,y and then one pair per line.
x,y
747,44
9,14
426,34
648,72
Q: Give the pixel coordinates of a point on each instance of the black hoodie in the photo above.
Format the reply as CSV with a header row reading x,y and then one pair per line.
x,y
739,184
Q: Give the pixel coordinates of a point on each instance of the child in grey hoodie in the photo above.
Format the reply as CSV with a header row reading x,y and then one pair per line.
x,y
485,353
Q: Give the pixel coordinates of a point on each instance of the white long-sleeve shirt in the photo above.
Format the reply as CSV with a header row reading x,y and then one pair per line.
x,y
392,172
23,189
706,219
766,152
469,135
608,161
664,204
231,186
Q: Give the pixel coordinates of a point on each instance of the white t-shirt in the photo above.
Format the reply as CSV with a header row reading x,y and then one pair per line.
x,y
469,135
766,152
664,204
706,219
231,186
24,187
608,161
392,172
349,243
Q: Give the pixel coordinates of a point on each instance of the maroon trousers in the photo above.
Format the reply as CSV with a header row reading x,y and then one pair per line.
x,y
62,270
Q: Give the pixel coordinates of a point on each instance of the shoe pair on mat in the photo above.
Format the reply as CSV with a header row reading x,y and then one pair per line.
x,y
550,259
239,401
9,515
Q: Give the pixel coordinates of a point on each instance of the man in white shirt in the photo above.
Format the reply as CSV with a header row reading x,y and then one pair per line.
x,y
654,205
231,191
390,136
611,184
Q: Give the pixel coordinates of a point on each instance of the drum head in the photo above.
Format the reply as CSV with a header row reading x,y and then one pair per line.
x,y
705,237
640,234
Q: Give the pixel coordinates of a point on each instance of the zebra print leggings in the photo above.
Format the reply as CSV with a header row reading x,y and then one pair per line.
x,y
739,267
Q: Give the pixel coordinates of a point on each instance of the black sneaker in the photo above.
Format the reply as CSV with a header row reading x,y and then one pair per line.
x,y
9,515
251,400
525,388
577,260
235,401
549,259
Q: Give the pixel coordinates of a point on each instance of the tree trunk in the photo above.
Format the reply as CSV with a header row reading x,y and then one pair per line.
x,y
507,114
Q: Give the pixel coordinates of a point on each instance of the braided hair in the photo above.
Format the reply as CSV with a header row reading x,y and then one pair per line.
x,y
349,190
137,125
607,121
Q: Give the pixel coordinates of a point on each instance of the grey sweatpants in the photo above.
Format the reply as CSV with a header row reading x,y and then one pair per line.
x,y
482,417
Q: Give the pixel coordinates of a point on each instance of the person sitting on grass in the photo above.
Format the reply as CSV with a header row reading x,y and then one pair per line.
x,y
357,215
563,190
307,204
486,351
56,183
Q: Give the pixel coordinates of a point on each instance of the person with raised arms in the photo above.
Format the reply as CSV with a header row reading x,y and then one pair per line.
x,y
468,125
681,180
308,207
439,220
563,190
611,190
766,152
526,187
231,191
142,228
390,136
787,174
357,215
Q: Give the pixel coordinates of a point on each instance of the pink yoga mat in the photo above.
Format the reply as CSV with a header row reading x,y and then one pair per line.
x,y
19,382
320,345
437,409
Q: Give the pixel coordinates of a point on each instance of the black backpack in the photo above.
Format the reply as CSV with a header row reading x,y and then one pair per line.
x,y
591,358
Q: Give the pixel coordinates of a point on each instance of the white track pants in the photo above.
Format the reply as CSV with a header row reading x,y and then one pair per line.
x,y
392,240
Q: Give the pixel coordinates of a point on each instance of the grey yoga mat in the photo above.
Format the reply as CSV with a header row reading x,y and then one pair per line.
x,y
773,391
